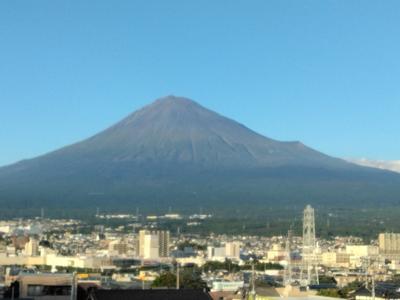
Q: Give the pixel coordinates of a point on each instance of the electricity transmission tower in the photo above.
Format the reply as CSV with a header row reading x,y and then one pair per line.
x,y
309,262
287,280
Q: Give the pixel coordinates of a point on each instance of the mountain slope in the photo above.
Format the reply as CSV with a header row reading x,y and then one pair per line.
x,y
176,152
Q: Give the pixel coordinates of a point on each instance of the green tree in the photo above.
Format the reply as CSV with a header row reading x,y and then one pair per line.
x,y
352,286
189,278
166,279
195,246
335,293
227,265
327,279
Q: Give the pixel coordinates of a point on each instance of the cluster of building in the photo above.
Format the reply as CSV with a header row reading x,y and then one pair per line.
x,y
58,256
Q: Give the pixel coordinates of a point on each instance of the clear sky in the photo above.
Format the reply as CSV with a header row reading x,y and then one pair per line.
x,y
326,73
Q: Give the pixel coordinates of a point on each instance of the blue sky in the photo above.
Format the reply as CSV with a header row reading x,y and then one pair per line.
x,y
323,72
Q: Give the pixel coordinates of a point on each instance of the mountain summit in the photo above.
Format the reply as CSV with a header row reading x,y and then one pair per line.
x,y
174,152
176,130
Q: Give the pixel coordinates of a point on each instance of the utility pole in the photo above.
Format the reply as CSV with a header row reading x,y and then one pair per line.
x,y
177,276
73,286
253,282
368,265
373,286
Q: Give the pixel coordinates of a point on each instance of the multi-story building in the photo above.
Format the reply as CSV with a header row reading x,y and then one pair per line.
x,y
389,245
46,286
153,244
32,247
216,253
118,247
335,259
232,250
362,250
163,240
277,253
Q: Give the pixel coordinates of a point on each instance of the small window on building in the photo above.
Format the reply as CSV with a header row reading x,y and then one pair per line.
x,y
49,290
35,290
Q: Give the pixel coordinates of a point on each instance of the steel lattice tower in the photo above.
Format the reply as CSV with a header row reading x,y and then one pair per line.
x,y
309,266
308,230
287,280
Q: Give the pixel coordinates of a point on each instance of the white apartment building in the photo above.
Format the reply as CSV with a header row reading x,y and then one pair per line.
x,y
32,248
232,250
389,245
153,244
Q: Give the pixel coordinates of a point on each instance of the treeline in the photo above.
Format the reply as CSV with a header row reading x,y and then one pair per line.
x,y
230,266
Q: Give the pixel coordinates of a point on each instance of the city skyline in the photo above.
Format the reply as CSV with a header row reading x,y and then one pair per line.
x,y
64,254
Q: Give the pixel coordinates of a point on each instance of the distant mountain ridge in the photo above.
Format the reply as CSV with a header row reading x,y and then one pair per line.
x,y
174,151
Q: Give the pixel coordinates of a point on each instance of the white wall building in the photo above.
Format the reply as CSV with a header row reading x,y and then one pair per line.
x,y
151,247
153,244
232,250
32,247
